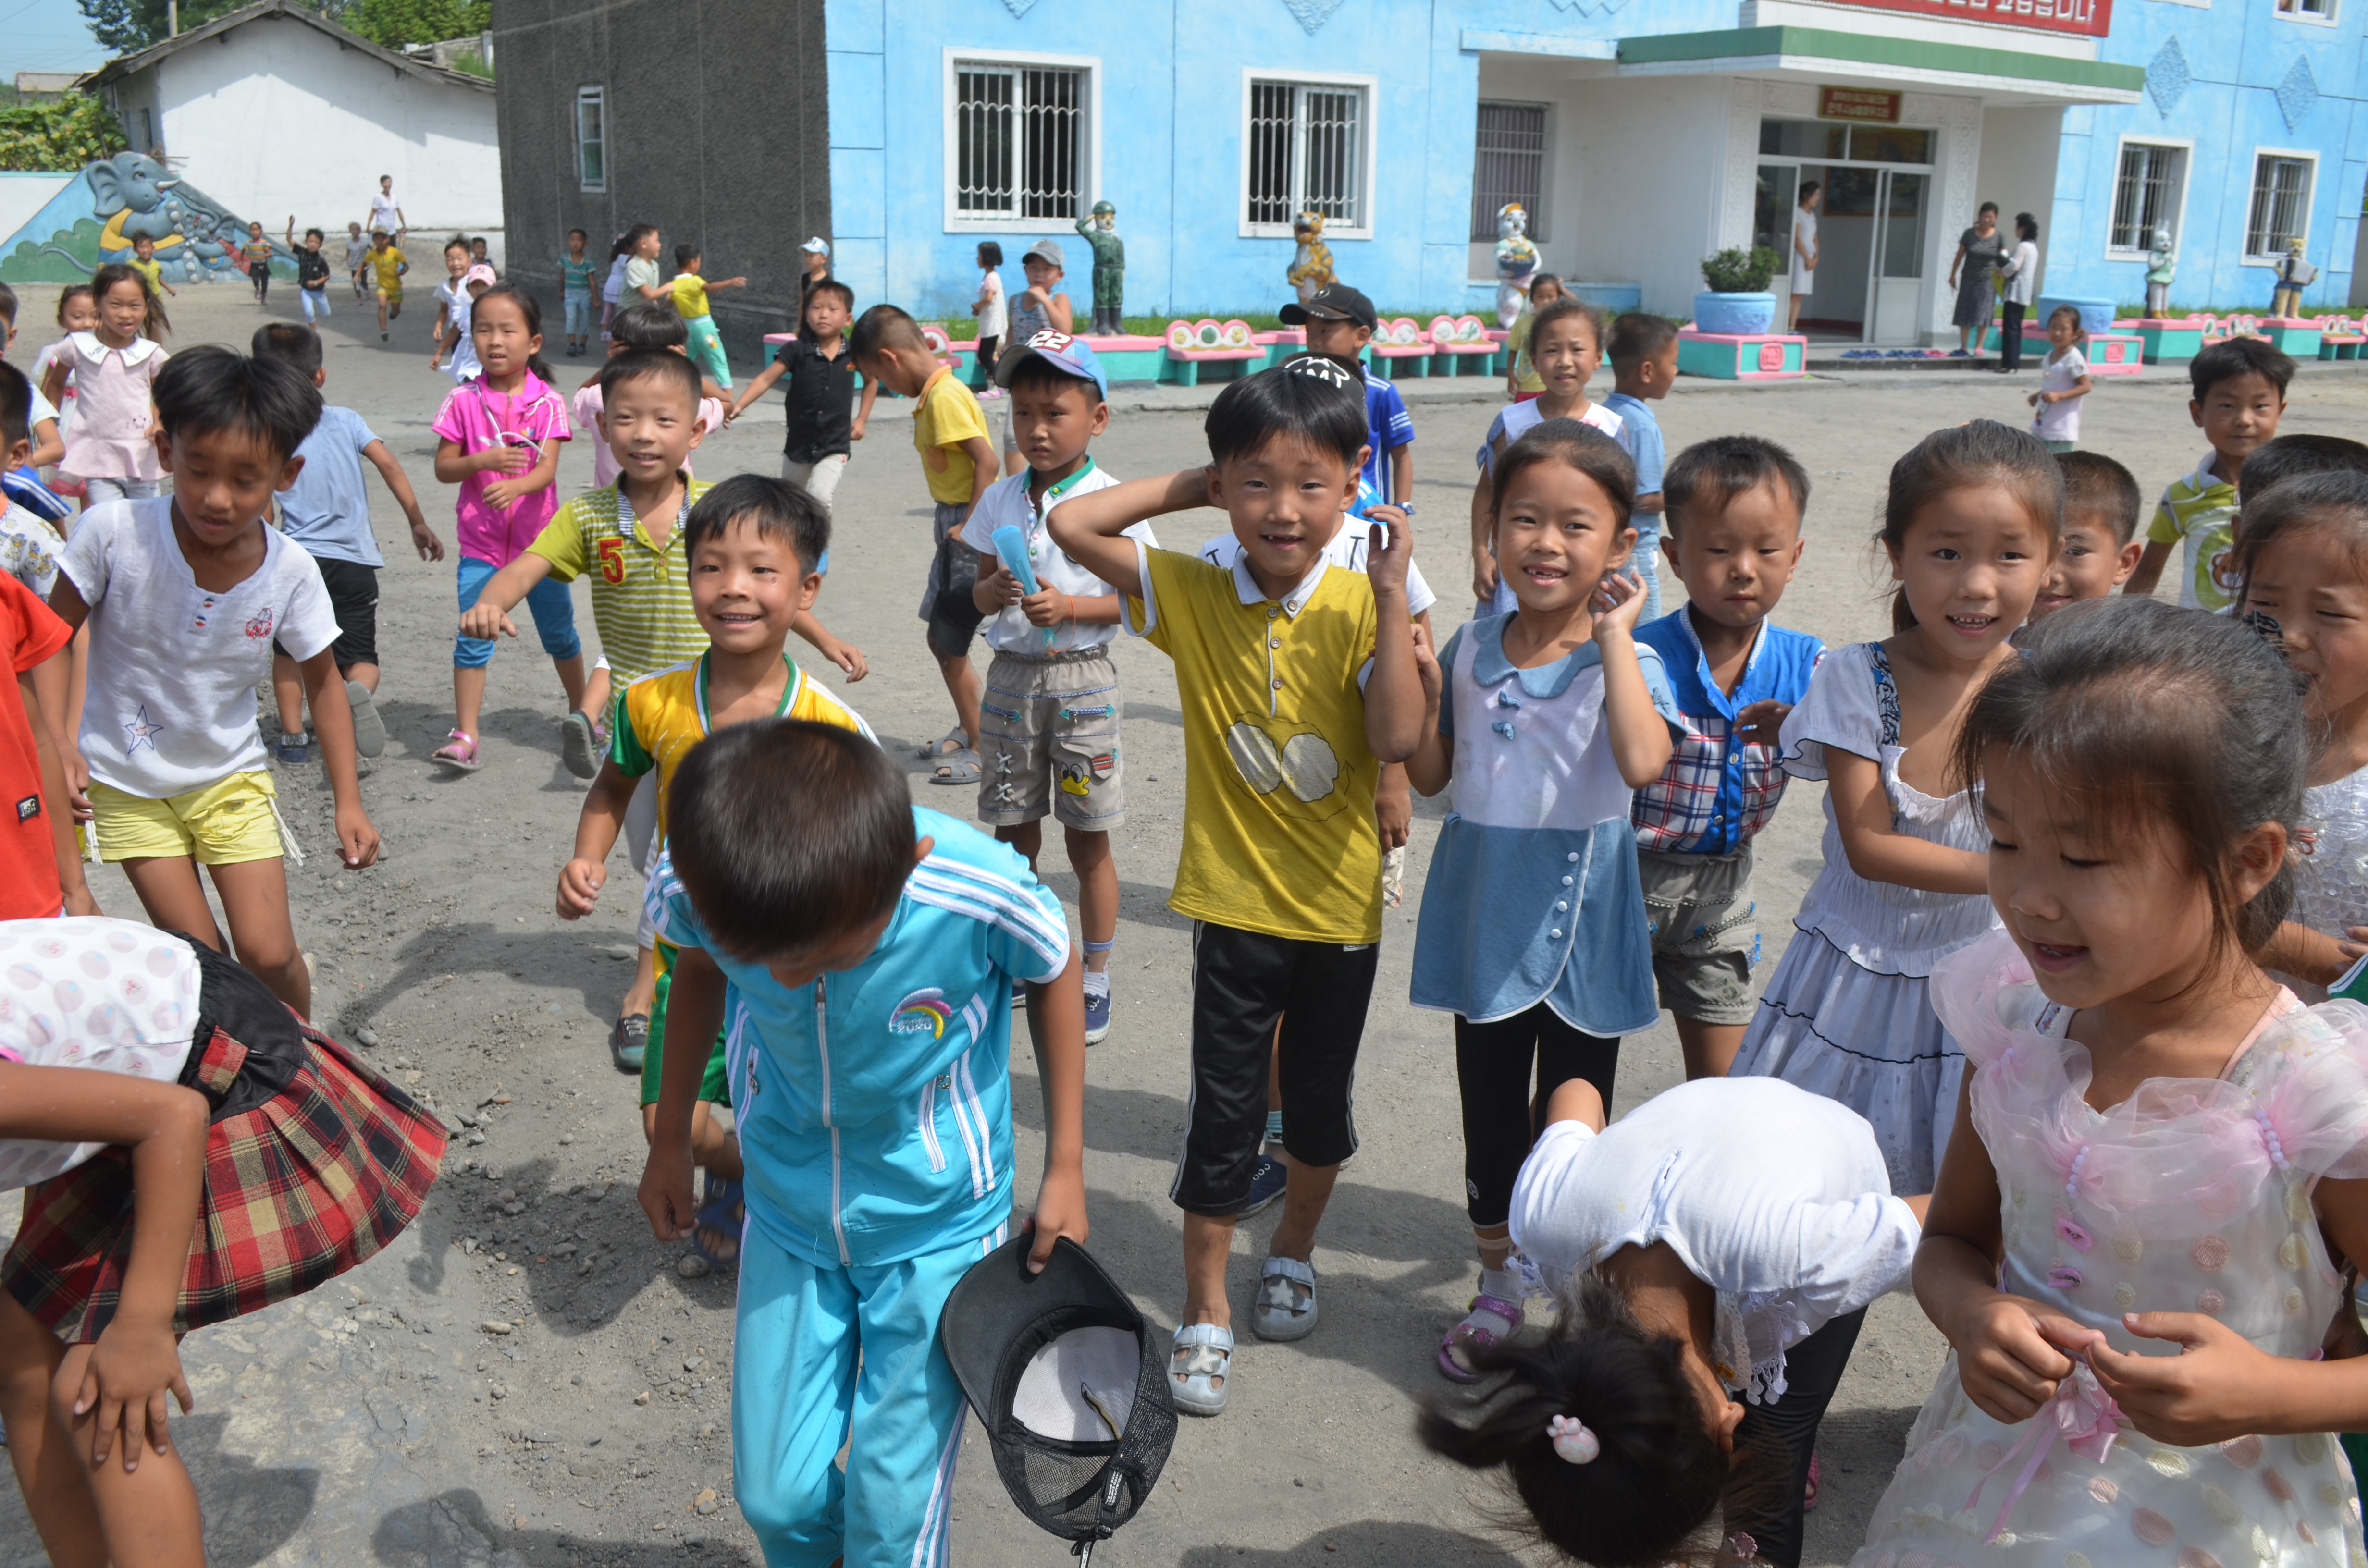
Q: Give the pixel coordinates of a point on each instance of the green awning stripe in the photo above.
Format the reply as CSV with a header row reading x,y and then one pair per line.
x,y
1862,49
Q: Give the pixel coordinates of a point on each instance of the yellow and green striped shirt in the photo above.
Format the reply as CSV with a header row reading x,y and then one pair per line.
x,y
663,715
2201,508
641,590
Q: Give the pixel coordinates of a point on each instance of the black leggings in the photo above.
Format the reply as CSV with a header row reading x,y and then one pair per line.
x,y
1813,1370
1501,1115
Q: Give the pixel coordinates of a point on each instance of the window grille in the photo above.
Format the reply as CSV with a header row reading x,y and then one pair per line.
x,y
2146,195
2281,209
1018,150
1306,152
1509,164
592,138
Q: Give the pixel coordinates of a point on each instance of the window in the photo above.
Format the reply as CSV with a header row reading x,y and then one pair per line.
x,y
2307,10
1306,148
2280,209
2149,188
1020,142
1819,141
1508,163
592,138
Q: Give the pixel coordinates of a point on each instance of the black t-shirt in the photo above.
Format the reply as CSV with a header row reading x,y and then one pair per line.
x,y
821,395
311,269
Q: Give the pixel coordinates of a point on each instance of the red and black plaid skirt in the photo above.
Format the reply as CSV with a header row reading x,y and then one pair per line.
x,y
298,1189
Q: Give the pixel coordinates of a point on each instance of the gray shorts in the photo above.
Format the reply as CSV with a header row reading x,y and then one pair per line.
x,y
1704,942
1048,740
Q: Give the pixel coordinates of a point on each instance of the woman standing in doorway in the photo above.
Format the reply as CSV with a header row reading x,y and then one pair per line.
x,y
2022,274
1980,249
1805,251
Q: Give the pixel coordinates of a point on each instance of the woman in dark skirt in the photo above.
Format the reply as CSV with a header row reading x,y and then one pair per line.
x,y
1980,249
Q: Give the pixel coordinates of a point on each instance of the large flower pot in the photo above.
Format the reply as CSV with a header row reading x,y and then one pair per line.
x,y
1740,315
2096,311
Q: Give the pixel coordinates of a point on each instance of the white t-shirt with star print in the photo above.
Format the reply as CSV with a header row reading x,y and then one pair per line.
x,y
174,666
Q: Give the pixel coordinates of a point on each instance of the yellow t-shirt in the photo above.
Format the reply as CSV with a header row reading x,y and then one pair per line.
x,y
152,270
1517,343
689,295
664,714
389,263
1279,835
946,416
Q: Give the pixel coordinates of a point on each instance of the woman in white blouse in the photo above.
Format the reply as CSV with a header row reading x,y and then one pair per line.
x,y
2021,275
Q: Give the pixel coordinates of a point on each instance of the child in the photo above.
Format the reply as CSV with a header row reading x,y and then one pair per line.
x,y
1644,353
2240,394
498,438
1566,343
478,254
689,292
819,433
1522,379
1969,525
949,432
1339,323
114,370
2101,524
41,874
169,742
1735,507
389,266
327,511
1546,722
1633,1425
311,272
30,542
1041,307
143,1223
813,257
44,444
1298,683
642,282
358,250
612,289
449,334
636,326
988,309
1050,717
576,270
801,875
257,253
746,543
143,262
2064,382
2158,1150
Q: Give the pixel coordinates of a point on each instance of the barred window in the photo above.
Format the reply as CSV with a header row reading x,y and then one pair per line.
x,y
1508,163
592,139
1019,141
2146,194
2281,209
1306,152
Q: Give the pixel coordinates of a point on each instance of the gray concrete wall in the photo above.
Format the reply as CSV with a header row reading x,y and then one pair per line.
x,y
718,133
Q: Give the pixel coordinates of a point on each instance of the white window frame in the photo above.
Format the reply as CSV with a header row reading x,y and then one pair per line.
x,y
2186,148
1368,128
1089,164
2309,199
2311,19
594,94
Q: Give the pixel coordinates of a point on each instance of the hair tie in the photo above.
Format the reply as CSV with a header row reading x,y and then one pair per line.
x,y
1572,1441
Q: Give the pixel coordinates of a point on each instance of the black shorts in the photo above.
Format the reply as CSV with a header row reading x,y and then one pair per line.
x,y
353,596
954,614
1241,983
259,270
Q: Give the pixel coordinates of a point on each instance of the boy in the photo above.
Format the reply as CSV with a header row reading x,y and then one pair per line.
x,y
1735,509
30,543
311,272
1644,353
1341,322
169,742
949,432
143,262
2240,394
690,292
1298,681
577,273
1050,718
358,250
815,255
862,939
747,543
819,435
389,265
2098,547
257,253
327,511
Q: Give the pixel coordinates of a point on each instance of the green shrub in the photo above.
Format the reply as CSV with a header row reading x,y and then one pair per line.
x,y
60,135
1738,271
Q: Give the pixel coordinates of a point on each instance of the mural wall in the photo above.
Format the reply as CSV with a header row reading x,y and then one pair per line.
x,y
114,201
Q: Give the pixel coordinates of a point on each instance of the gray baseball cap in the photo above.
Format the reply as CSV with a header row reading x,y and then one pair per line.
x,y
1049,250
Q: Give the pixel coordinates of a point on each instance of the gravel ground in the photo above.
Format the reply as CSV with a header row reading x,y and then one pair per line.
x,y
527,1378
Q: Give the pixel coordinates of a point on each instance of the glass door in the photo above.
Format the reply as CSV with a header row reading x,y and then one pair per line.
x,y
1895,282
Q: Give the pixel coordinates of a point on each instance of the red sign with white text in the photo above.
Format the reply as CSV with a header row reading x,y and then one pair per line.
x,y
2088,19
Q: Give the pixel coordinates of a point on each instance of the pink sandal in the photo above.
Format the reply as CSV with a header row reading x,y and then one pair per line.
x,y
460,753
1477,1339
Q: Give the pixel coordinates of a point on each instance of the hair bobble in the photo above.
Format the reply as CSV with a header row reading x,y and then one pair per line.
x,y
1573,1443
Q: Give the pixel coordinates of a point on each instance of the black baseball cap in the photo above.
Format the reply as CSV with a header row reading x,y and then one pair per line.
x,y
1334,302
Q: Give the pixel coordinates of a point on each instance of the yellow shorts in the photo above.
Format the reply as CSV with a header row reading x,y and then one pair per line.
x,y
227,823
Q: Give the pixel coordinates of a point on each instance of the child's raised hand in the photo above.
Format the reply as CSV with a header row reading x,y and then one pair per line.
x,y
357,837
2006,1364
484,622
1762,723
1389,547
579,887
124,1383
1616,603
2219,1385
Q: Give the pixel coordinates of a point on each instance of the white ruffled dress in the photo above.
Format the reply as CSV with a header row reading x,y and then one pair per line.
x,y
1845,1014
2193,1195
2331,875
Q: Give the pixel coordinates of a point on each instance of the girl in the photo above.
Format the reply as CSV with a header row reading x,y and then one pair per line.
x,y
1723,1238
498,438
257,253
988,309
642,284
575,272
1521,380
2063,382
121,1047
613,288
1566,344
1532,931
77,311
113,366
1969,526
2155,1176
451,328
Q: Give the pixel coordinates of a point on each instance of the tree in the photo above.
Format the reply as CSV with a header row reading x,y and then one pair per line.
x,y
390,24
63,134
122,26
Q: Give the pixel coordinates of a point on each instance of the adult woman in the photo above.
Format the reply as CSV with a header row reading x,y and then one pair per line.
x,y
2021,275
1805,251
1979,251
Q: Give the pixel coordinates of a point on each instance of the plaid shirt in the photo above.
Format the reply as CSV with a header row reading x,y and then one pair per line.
x,y
1718,791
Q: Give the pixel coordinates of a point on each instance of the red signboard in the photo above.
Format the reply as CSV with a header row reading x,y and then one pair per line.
x,y
2088,19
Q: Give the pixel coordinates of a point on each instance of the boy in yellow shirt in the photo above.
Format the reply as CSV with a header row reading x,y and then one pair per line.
x,y
388,263
690,292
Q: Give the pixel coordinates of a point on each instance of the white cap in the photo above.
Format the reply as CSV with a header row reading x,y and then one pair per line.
x,y
818,246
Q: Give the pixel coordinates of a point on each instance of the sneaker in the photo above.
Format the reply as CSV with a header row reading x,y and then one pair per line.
x,y
578,744
1097,1017
370,730
1267,1182
295,746
628,1041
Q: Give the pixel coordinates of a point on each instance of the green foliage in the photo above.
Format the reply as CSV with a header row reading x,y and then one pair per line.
x,y
123,26
1737,271
473,63
60,135
390,24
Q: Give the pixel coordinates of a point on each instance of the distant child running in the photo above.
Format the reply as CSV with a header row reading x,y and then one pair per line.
x,y
576,272
2239,386
2101,523
111,446
257,252
819,433
1566,344
358,250
449,334
2064,382
143,262
387,266
311,272
690,290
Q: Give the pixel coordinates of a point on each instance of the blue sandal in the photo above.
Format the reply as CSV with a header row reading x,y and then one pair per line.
x,y
721,1214
1199,1366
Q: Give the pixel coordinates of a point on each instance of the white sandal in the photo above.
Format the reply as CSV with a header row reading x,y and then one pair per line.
x,y
1199,1366
1286,1299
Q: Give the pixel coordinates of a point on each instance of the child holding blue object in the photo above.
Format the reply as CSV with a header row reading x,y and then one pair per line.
x,y
870,948
1532,929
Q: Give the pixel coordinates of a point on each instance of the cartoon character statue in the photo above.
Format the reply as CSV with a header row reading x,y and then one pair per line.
x,y
1311,266
1517,263
2162,266
2294,275
1100,230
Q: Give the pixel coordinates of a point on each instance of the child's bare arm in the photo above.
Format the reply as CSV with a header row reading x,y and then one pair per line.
x,y
453,464
509,492
1877,850
1484,545
1058,311
56,795
53,382
694,1011
490,615
1433,762
48,446
2149,572
324,693
596,827
398,484
1056,1021
843,654
863,411
1394,703
1091,527
2306,954
757,389
985,469
1402,472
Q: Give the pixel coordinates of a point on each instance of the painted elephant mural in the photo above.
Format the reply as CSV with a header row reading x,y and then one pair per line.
x,y
112,202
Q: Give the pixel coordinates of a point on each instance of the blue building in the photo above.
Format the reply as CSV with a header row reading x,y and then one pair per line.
x,y
1640,134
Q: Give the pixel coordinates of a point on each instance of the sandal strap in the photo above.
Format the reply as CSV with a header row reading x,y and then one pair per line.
x,y
1201,1361
1288,1267
1484,1303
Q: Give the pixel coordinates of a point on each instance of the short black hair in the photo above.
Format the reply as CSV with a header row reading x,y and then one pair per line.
x,y
314,234
832,286
648,326
1578,447
786,833
1636,336
2234,356
573,233
883,326
211,388
684,254
16,407
1708,475
2097,486
1035,371
2289,456
650,364
774,507
8,304
1312,400
291,343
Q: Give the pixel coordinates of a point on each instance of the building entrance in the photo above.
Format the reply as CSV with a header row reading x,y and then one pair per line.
x,y
1872,244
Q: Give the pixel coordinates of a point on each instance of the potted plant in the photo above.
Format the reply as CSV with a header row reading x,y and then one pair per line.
x,y
1737,302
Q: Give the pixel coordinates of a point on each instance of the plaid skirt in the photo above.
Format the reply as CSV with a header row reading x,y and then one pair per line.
x,y
299,1188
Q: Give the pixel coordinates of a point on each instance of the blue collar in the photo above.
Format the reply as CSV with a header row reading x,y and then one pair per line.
x,y
1728,705
1490,668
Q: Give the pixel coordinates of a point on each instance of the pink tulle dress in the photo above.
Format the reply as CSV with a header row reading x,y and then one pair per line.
x,y
2192,1196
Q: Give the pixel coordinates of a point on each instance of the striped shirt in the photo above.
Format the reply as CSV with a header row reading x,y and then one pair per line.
x,y
663,715
2201,508
641,590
